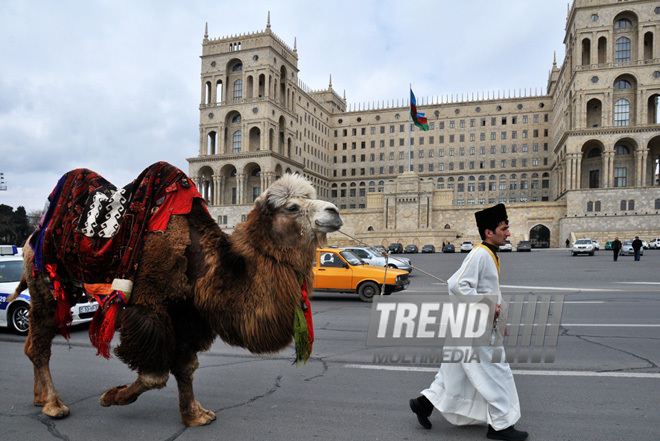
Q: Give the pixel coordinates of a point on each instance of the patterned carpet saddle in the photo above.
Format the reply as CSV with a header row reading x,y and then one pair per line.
x,y
90,239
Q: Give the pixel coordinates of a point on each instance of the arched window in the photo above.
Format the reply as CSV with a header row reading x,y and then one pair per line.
x,y
238,90
657,204
622,84
622,23
590,206
621,150
597,206
631,205
623,205
236,141
622,50
622,112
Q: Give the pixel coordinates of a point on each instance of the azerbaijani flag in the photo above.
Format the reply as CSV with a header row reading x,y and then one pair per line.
x,y
418,118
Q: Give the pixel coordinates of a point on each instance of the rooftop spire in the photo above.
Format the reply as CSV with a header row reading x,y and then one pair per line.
x,y
268,23
330,85
295,44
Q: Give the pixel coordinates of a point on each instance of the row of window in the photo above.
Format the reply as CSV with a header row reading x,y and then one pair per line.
x,y
451,138
441,124
624,205
472,165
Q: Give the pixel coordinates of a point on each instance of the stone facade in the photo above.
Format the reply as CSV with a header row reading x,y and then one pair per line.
x,y
591,136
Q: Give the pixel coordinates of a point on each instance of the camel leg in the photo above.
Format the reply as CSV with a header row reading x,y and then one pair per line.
x,y
123,395
38,349
192,413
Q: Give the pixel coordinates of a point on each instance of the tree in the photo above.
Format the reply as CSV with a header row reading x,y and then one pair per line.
x,y
14,225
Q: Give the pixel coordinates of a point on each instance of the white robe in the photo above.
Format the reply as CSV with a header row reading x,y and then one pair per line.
x,y
476,392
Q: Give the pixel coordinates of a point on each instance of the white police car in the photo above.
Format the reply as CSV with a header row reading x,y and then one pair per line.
x,y
14,315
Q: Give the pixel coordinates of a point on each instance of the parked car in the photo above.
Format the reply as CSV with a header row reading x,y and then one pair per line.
x,y
608,245
583,246
655,243
448,248
395,248
627,249
596,245
14,315
507,246
466,246
411,249
428,249
380,248
371,257
524,245
340,270
645,244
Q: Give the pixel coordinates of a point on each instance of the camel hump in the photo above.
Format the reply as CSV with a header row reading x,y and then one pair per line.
x,y
22,286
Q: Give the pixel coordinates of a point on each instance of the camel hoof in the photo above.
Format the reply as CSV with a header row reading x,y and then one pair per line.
x,y
109,398
55,410
201,417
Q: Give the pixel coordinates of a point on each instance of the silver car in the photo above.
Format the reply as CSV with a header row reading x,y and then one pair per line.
x,y
371,257
583,246
627,249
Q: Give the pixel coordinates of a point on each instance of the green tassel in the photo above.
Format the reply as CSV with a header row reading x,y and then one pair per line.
x,y
300,335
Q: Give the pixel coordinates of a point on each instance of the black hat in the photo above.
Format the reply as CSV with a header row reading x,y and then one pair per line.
x,y
490,216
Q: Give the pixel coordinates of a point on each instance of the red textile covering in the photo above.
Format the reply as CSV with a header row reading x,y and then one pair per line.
x,y
308,315
76,258
178,201
63,317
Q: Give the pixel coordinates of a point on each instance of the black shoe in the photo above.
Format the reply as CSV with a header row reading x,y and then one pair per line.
x,y
508,434
422,407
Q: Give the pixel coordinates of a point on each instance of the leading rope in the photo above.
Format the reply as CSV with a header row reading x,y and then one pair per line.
x,y
386,255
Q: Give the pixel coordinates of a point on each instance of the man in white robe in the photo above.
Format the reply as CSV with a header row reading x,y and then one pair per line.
x,y
478,391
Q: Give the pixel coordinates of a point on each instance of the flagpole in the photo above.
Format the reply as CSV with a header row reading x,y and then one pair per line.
x,y
409,127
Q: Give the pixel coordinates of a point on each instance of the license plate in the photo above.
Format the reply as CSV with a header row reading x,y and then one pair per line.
x,y
92,308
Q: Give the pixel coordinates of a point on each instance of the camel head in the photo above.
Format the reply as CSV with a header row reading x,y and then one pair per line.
x,y
295,214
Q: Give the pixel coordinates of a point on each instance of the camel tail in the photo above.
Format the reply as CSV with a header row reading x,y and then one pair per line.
x,y
22,286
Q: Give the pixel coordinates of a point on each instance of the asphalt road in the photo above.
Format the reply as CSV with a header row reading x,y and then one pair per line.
x,y
603,385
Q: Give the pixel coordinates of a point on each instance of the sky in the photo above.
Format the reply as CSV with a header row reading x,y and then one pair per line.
x,y
114,85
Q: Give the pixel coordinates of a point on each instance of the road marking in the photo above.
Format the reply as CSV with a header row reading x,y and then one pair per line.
x,y
552,288
549,288
515,371
638,283
613,325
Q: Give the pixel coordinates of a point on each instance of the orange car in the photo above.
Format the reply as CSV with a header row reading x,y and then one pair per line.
x,y
340,270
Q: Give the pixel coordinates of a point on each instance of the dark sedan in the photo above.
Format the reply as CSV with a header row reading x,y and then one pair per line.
x,y
411,249
524,245
449,248
428,249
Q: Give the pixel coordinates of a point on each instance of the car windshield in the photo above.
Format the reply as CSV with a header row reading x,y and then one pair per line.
x,y
364,254
11,271
628,242
351,258
583,241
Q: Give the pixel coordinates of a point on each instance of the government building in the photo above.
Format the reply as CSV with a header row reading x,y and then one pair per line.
x,y
577,159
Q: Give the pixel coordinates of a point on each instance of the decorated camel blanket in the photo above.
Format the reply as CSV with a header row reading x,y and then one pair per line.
x,y
90,239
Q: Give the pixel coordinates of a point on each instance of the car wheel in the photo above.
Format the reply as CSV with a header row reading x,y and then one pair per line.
x,y
591,253
367,291
18,318
574,254
391,265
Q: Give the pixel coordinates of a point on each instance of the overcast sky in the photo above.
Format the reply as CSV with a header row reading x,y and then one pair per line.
x,y
114,85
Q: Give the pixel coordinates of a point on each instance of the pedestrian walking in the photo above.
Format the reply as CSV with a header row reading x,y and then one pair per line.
x,y
637,247
616,248
479,391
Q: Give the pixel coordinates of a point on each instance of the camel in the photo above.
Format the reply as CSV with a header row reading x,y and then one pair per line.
x,y
195,283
